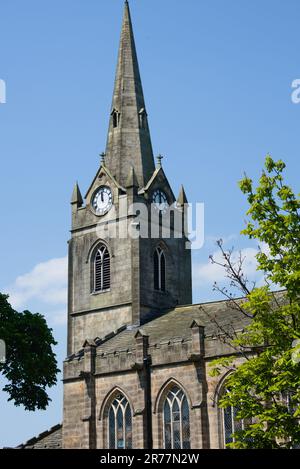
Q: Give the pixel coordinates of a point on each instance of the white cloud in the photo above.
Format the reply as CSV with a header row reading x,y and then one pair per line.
x,y
59,318
45,285
205,274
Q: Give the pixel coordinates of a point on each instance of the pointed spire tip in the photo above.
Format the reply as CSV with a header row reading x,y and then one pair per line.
x,y
182,198
76,196
127,118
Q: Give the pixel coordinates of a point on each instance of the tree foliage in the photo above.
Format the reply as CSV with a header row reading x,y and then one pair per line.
x,y
30,365
265,388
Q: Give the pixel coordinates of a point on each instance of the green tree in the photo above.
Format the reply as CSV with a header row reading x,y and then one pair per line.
x,y
265,388
30,366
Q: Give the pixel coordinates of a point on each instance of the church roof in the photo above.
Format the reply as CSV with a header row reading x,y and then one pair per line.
x,y
50,439
175,325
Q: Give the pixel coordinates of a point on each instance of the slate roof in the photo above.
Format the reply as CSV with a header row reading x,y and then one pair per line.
x,y
173,324
50,439
176,324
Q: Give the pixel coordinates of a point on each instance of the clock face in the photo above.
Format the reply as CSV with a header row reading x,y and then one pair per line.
x,y
160,200
102,200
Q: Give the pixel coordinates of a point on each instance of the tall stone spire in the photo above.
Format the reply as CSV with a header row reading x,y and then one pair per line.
x,y
129,141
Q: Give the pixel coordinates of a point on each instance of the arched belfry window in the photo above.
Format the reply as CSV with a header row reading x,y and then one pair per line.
x,y
119,421
101,269
159,270
176,420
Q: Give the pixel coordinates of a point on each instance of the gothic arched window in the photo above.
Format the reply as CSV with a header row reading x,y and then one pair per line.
x,y
176,420
119,419
101,269
231,424
159,270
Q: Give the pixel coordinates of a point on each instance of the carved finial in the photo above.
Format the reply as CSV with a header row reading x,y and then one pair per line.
x,y
76,197
159,158
103,155
182,198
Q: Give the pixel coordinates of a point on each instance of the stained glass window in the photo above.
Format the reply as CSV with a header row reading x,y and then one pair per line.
x,y
120,424
231,424
176,420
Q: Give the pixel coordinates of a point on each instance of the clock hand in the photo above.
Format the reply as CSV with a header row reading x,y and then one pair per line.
x,y
102,197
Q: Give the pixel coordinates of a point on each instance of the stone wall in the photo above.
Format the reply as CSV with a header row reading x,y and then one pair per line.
x,y
144,374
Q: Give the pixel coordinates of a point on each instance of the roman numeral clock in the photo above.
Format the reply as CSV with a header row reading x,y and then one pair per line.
x,y
102,200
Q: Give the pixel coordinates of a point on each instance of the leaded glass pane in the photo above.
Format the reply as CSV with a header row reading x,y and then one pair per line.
x,y
176,435
176,411
232,424
185,424
128,427
112,430
176,420
168,440
238,423
167,425
167,412
120,424
228,430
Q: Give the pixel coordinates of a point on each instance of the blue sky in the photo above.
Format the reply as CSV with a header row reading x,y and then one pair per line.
x,y
217,80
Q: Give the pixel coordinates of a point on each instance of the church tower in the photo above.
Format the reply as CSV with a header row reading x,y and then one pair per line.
x,y
136,375
125,265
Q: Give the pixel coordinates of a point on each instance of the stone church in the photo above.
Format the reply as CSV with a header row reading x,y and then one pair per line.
x,y
137,368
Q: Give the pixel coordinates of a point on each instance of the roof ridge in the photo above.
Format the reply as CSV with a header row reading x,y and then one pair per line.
x,y
41,435
219,301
